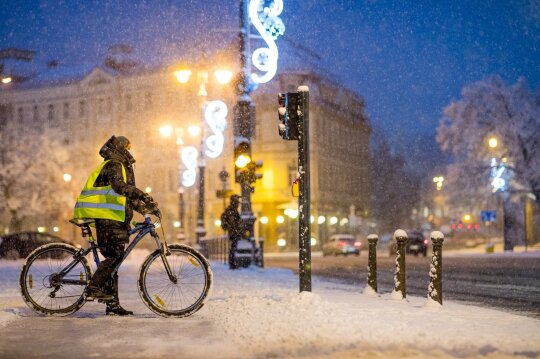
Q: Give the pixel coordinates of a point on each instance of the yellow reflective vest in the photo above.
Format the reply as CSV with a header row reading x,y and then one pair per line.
x,y
100,202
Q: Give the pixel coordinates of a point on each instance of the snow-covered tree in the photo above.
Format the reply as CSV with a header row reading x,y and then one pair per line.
x,y
491,109
395,190
31,177
509,115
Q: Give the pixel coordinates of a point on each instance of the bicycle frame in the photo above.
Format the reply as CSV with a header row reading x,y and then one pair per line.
x,y
142,229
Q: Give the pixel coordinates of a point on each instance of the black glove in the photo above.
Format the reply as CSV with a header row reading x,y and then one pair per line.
x,y
156,212
146,198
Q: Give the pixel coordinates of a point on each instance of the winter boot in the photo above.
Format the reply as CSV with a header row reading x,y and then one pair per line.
x,y
114,308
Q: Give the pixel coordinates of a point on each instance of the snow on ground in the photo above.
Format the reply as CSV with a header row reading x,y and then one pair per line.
x,y
258,313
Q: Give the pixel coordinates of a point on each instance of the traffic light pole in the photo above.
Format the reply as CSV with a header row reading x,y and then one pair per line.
x,y
304,208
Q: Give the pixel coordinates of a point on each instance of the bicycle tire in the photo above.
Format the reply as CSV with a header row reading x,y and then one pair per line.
x,y
187,264
31,267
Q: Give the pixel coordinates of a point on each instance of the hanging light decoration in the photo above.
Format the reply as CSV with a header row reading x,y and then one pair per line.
x,y
267,22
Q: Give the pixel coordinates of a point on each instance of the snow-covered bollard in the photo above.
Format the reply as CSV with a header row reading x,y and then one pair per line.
x,y
399,276
372,261
435,269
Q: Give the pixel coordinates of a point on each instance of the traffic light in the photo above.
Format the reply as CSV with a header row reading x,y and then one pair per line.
x,y
289,127
242,158
252,168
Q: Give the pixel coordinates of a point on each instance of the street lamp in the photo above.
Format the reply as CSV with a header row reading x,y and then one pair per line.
x,y
213,116
186,168
493,142
439,182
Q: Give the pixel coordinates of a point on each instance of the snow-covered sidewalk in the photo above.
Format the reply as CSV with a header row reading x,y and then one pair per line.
x,y
258,313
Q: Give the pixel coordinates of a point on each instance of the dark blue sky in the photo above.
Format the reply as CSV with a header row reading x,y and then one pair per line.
x,y
408,59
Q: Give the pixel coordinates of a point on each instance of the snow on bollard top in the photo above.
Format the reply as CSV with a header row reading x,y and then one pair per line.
x,y
372,236
400,233
303,88
437,235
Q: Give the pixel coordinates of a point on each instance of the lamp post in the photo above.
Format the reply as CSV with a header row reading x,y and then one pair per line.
x,y
186,165
208,116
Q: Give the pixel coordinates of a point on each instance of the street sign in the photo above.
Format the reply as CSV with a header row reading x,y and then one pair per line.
x,y
224,193
488,216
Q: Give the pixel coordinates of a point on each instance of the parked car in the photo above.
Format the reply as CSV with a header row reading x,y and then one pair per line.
x,y
342,244
19,245
416,244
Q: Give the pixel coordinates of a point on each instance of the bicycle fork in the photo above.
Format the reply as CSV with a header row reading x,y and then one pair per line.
x,y
164,252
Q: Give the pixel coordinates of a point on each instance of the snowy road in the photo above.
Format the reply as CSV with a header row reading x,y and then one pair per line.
x,y
510,282
256,313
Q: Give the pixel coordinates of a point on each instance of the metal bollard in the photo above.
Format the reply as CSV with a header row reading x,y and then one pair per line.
x,y
372,261
399,276
435,269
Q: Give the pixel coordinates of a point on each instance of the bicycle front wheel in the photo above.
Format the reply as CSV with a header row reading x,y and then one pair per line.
x,y
45,289
187,294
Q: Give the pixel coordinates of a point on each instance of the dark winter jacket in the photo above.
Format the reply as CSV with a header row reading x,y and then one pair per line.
x,y
109,231
232,222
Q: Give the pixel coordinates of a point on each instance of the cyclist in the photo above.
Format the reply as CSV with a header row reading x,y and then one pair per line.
x,y
110,196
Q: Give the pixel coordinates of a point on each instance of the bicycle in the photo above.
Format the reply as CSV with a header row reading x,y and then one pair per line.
x,y
54,276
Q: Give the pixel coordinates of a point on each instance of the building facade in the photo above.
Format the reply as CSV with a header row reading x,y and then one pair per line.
x,y
87,106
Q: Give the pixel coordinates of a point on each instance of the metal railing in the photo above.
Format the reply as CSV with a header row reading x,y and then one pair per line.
x,y
216,248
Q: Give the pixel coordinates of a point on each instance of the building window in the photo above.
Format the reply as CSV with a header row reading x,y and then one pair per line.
x,y
51,116
35,115
82,108
66,110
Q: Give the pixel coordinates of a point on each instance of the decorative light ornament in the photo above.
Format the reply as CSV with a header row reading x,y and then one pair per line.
x,y
189,155
215,115
499,176
265,19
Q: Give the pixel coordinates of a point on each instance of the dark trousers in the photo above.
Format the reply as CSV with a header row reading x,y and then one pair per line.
x,y
104,276
232,253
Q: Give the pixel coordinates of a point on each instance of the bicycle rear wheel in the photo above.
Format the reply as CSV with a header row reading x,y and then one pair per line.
x,y
41,286
188,294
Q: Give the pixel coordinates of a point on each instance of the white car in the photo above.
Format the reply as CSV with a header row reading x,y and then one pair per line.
x,y
342,244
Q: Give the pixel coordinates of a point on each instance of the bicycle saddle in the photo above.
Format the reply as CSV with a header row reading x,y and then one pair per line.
x,y
80,222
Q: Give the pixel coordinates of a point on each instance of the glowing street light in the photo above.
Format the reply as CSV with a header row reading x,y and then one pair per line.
x,y
67,177
166,131
223,76
493,142
6,80
182,76
194,130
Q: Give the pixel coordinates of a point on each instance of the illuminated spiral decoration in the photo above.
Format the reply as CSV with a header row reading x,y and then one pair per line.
x,y
189,156
215,115
265,19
